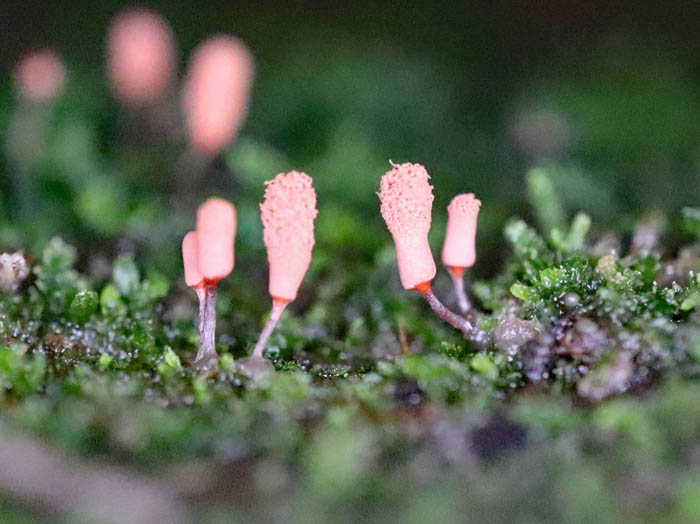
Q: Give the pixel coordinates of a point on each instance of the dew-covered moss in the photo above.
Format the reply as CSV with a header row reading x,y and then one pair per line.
x,y
588,390
583,408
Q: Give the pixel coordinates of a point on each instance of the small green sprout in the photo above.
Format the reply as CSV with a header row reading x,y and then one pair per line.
x,y
83,306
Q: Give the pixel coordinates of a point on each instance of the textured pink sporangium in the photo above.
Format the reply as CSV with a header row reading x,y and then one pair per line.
x,y
140,56
288,212
406,205
40,76
407,201
458,249
215,98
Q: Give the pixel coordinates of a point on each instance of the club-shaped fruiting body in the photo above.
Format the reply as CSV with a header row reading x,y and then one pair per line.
x,y
215,97
40,76
406,205
140,56
190,251
458,249
216,230
207,255
288,212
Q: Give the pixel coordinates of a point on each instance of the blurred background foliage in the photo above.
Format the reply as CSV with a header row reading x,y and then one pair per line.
x,y
604,93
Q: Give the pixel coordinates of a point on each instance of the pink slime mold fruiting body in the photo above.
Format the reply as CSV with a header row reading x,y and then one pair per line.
x,y
215,97
288,212
40,76
208,257
140,57
216,230
406,204
407,200
458,250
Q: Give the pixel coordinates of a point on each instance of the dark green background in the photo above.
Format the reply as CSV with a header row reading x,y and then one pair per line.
x,y
439,82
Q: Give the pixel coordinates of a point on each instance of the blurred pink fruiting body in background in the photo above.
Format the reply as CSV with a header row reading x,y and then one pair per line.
x,y
459,249
140,56
216,229
40,76
215,97
407,201
190,248
288,212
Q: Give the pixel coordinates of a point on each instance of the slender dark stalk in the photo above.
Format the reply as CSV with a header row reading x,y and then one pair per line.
x,y
471,331
206,350
277,309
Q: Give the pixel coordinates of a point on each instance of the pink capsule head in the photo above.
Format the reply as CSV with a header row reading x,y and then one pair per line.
x,y
40,76
458,250
140,56
406,205
215,97
193,277
288,212
216,230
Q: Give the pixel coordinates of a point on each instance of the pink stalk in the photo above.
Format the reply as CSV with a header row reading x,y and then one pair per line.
x,y
460,292
215,97
140,57
406,204
459,249
277,309
40,76
287,212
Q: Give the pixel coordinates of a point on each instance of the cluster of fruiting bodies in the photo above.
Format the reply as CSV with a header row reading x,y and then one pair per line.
x,y
288,212
141,60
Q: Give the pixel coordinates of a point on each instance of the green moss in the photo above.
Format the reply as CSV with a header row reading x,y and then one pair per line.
x,y
83,305
580,405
